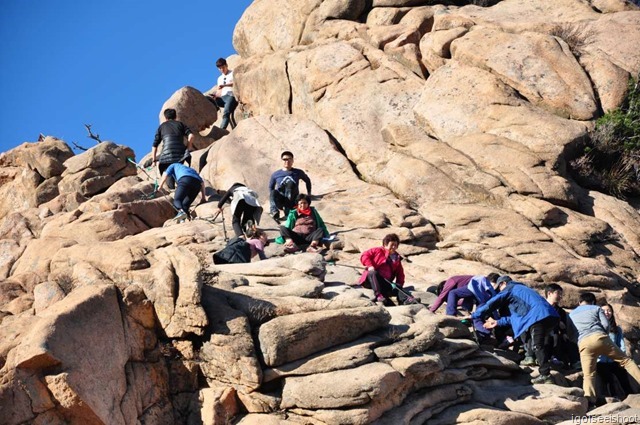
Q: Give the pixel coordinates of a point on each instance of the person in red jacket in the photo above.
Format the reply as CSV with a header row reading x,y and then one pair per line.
x,y
383,266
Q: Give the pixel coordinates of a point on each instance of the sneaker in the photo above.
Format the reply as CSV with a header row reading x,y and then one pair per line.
x,y
385,301
528,361
249,228
275,216
542,379
180,216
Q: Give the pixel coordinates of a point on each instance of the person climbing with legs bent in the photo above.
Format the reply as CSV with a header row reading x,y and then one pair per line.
x,y
189,184
283,187
171,134
528,312
245,208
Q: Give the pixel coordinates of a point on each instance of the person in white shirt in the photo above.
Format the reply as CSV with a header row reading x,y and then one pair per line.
x,y
224,97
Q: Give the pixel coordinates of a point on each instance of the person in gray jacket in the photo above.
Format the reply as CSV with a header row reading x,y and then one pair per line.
x,y
592,327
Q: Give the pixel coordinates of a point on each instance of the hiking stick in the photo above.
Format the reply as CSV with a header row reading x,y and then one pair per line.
x,y
224,226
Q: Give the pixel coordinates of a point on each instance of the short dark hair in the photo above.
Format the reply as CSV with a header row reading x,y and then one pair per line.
x,y
552,287
493,277
305,197
391,237
588,298
286,153
220,62
170,114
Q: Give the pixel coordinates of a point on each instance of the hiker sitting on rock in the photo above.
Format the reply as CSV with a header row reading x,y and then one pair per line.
x,y
528,312
172,133
189,184
245,208
303,227
283,187
382,266
592,327
223,97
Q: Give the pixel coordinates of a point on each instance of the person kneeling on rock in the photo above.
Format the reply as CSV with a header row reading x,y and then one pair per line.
x,y
189,184
303,227
382,266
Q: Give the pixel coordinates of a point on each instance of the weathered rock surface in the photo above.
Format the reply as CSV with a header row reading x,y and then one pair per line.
x,y
451,126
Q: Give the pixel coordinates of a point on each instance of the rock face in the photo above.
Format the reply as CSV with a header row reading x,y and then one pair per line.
x,y
450,126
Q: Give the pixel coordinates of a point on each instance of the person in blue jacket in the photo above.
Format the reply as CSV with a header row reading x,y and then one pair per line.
x,y
189,184
528,312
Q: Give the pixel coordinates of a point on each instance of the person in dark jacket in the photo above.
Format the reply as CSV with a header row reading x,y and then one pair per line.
x,y
245,208
189,185
304,227
528,312
382,266
283,187
171,134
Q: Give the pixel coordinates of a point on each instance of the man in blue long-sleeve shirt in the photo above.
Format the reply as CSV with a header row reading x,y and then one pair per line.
x,y
283,187
528,312
592,327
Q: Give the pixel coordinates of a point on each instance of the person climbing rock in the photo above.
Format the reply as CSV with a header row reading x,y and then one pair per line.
x,y
245,208
171,134
189,183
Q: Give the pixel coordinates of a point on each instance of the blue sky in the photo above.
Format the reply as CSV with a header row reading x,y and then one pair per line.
x,y
111,64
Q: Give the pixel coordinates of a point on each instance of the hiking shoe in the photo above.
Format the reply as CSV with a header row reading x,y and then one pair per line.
x,y
249,228
385,301
180,216
542,379
528,361
275,216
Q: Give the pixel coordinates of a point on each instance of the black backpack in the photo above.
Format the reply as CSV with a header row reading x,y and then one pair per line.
x,y
237,251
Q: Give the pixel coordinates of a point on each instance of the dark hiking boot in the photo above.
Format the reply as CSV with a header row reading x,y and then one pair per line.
x,y
542,379
275,216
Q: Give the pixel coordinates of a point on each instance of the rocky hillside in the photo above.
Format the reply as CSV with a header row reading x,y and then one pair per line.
x,y
450,124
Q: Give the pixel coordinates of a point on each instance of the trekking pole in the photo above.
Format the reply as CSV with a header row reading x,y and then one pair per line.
x,y
469,323
155,180
224,226
139,167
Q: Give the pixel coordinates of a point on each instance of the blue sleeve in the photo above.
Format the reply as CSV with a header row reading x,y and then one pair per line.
x,y
620,339
504,321
603,319
272,182
490,306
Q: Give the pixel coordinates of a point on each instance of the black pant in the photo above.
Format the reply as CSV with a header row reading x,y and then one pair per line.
x,y
284,198
540,333
186,192
609,372
382,286
243,213
299,239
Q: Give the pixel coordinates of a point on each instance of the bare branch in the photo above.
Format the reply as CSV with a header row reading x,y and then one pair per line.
x,y
91,135
77,146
